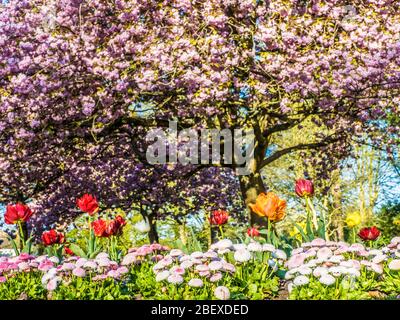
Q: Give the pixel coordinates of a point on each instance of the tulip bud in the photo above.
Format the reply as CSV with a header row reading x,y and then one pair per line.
x,y
304,188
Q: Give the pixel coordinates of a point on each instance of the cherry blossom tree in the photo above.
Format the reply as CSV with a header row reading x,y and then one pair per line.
x,y
81,83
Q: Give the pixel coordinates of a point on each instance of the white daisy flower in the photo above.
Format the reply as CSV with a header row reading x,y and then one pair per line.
x,y
90,265
296,260
197,261
356,247
242,255
394,265
178,270
80,262
202,268
224,244
395,240
215,265
279,254
310,253
211,254
102,255
301,281
320,271
327,279
331,244
166,261
337,271
186,264
185,257
346,264
288,276
297,251
305,270
229,267
175,279
161,276
222,293
240,246
197,255
216,277
318,242
306,244
268,247
311,263
365,263
377,268
195,282
175,253
204,273
354,272
380,258
375,252
223,251
158,266
336,259
324,253
54,260
254,247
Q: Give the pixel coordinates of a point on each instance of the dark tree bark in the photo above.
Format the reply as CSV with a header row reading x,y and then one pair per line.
x,y
153,234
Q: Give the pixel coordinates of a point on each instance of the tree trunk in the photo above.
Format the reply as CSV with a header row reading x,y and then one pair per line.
x,y
338,211
214,233
251,186
153,234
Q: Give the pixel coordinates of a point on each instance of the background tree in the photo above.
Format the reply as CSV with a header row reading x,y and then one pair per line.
x,y
82,81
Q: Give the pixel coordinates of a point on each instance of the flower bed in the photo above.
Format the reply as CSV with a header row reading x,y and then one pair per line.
x,y
317,270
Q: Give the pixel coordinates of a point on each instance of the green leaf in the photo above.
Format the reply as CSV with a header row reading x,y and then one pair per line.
x,y
303,235
321,229
15,247
94,253
77,250
28,246
309,230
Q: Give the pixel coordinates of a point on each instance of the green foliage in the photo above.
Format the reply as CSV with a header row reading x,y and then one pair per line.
x,y
388,220
23,286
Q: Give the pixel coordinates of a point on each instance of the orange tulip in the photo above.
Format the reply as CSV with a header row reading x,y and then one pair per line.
x,y
269,205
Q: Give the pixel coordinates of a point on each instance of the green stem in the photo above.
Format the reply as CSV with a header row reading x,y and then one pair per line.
x,y
313,212
222,232
21,236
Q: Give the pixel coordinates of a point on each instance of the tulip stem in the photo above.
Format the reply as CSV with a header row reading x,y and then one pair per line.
x,y
313,212
354,235
222,232
21,236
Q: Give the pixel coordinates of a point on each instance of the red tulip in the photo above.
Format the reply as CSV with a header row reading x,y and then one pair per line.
x,y
100,228
119,224
253,232
107,228
88,203
304,188
52,237
371,233
17,212
219,217
68,251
